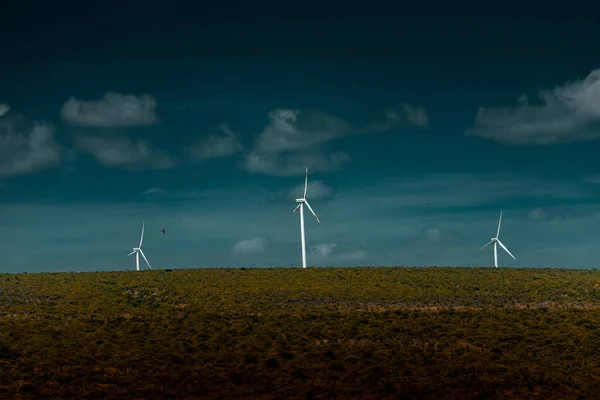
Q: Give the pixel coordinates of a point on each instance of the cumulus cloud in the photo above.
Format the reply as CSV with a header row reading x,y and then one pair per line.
x,y
4,108
315,190
291,130
113,110
26,147
222,144
124,152
398,116
295,137
568,113
250,246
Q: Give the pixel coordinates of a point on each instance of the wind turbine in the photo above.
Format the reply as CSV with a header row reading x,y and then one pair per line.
x,y
138,251
301,201
496,242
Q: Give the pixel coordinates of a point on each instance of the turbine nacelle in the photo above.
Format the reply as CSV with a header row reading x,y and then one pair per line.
x,y
495,241
138,251
301,203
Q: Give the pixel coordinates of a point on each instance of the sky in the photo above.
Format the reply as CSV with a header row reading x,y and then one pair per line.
x,y
417,129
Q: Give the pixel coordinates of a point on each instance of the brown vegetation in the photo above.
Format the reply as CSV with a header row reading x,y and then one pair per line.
x,y
373,333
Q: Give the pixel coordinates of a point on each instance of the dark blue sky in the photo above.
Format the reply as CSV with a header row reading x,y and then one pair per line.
x,y
417,129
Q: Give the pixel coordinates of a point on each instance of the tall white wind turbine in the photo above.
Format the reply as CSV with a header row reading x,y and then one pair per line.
x,y
495,241
138,250
301,202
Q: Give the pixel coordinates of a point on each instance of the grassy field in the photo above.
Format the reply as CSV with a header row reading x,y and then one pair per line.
x,y
281,333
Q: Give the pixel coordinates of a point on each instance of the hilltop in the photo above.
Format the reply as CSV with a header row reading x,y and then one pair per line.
x,y
378,332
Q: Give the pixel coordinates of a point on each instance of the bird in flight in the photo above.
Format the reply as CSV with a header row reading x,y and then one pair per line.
x,y
163,231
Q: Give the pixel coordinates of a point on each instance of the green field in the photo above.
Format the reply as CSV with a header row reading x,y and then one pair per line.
x,y
281,333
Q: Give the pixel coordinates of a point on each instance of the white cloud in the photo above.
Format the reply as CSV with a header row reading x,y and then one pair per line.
x,y
315,190
568,113
291,130
250,246
225,143
26,148
294,138
322,250
332,253
124,152
113,110
291,164
4,108
398,116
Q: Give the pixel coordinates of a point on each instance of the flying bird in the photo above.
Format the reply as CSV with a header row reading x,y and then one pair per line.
x,y
163,231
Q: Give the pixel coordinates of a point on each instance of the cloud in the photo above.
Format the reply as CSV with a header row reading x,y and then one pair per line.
x,y
559,213
291,130
124,152
179,194
432,233
4,108
152,191
476,190
315,190
353,256
294,163
568,113
595,179
26,147
113,110
322,250
294,138
537,214
250,246
333,253
225,143
399,116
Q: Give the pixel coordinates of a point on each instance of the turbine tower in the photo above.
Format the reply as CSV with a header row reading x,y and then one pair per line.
x,y
301,202
138,251
497,242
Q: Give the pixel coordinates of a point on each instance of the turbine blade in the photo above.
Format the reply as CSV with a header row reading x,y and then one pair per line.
x,y
297,207
311,210
305,183
499,222
131,253
486,245
505,249
142,253
142,237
